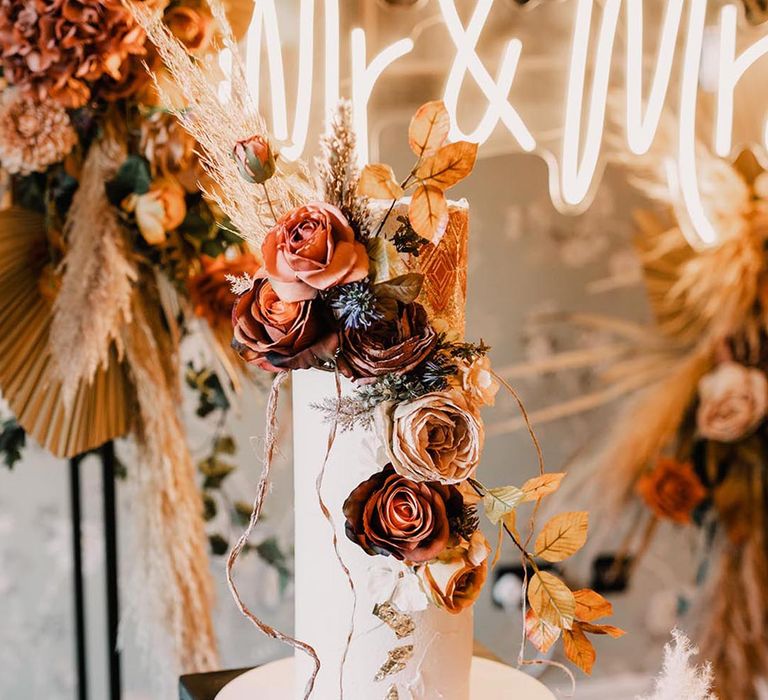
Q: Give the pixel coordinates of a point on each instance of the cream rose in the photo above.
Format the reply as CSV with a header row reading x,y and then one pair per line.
x,y
478,382
437,437
160,210
732,402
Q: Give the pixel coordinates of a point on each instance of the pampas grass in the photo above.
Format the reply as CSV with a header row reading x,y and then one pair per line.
x,y
95,297
680,679
218,124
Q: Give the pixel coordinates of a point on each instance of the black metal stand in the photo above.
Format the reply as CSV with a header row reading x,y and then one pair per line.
x,y
106,455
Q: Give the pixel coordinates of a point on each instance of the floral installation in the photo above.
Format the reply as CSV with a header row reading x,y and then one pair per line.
x,y
114,253
691,444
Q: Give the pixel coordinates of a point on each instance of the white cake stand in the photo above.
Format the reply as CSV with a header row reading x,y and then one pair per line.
x,y
489,679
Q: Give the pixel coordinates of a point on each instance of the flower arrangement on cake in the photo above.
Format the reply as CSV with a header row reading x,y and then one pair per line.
x,y
111,253
363,282
690,447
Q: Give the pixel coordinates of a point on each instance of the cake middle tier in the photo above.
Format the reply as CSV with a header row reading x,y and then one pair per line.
x,y
432,662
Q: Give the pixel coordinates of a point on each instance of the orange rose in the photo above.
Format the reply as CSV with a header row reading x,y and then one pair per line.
x,y
389,514
211,291
672,490
312,248
191,27
275,335
160,210
457,576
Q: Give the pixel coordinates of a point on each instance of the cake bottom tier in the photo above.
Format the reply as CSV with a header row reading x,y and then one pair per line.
x,y
437,654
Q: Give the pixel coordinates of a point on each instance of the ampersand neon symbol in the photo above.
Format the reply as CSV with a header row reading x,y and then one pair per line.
x,y
497,91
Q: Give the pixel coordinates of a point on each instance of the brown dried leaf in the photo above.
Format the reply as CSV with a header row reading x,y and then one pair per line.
x,y
551,599
610,630
579,649
562,536
540,633
428,212
591,606
451,164
541,486
378,181
429,128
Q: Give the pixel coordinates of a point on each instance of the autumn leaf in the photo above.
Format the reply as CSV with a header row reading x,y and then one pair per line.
x,y
610,630
510,522
541,486
562,536
591,606
428,212
579,649
540,633
429,128
500,502
551,599
378,181
451,164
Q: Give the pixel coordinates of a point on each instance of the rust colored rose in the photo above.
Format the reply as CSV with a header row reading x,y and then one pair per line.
x,y
211,291
389,514
278,335
396,347
254,159
192,27
436,437
312,248
457,576
672,490
732,402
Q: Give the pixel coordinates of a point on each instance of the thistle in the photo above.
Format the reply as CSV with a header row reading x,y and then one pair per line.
x,y
356,305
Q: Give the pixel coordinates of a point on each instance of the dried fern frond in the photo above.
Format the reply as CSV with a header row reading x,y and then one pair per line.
x,y
679,678
95,297
217,125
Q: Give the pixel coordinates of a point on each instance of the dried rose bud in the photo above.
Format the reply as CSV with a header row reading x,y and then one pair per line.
x,y
254,159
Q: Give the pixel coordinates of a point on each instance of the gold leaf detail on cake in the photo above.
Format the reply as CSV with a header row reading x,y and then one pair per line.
x,y
392,694
400,623
397,660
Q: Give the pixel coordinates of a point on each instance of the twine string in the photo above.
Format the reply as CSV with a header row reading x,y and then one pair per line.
x,y
270,444
327,515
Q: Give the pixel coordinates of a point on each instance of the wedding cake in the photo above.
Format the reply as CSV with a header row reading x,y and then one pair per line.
x,y
430,656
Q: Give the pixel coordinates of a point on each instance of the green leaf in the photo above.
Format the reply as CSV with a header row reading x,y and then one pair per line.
x,y
13,439
383,258
405,288
215,472
219,545
225,445
243,512
209,507
498,502
270,552
132,177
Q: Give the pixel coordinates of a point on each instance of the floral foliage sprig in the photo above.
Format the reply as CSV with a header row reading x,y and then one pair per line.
x,y
339,297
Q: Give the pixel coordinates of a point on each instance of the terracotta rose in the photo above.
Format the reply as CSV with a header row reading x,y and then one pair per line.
x,y
211,291
312,248
455,579
672,490
732,402
437,437
396,347
278,335
192,27
389,514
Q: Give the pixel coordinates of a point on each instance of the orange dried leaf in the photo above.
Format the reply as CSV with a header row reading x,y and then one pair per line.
x,y
428,213
541,486
591,605
551,599
562,536
429,128
610,630
451,164
540,633
378,181
579,649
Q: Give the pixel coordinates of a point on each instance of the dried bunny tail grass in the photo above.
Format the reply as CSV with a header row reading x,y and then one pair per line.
x,y
170,592
95,298
337,168
218,125
679,678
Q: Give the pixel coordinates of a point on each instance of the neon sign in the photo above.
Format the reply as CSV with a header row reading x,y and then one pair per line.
x,y
574,165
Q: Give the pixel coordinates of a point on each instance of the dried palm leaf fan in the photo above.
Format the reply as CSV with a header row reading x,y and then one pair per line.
x,y
101,411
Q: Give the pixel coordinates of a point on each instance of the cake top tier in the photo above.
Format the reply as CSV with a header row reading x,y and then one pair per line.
x,y
444,266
